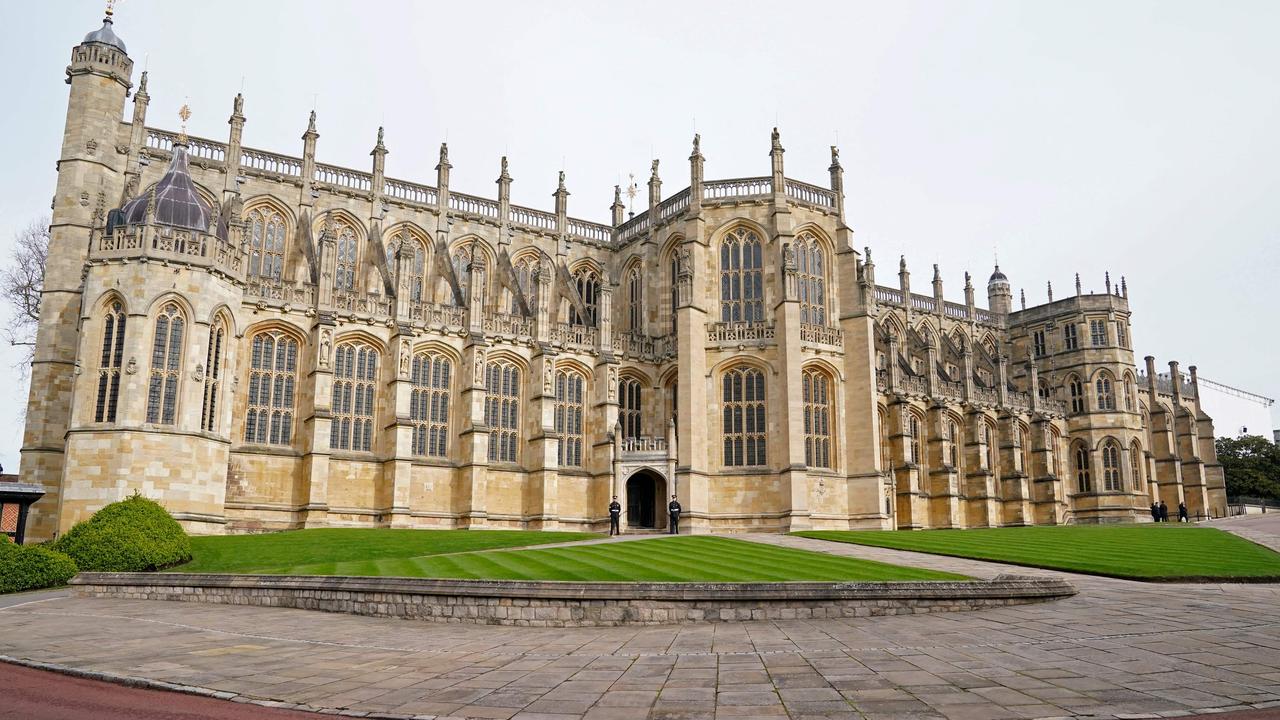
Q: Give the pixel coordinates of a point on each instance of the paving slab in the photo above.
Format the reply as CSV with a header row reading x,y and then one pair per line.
x,y
1118,647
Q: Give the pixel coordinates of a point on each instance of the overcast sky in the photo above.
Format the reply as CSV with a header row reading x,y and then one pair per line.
x,y
1134,137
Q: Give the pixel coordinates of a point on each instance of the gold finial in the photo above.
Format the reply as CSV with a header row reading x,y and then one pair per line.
x,y
185,113
111,7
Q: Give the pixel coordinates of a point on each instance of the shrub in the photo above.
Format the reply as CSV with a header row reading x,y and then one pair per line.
x,y
133,535
31,567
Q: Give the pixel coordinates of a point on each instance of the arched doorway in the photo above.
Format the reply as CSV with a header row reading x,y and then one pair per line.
x,y
646,491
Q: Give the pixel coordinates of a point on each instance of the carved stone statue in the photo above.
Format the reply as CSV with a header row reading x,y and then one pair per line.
x,y
326,342
404,358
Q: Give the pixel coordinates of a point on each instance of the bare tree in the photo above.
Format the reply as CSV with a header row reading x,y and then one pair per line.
x,y
21,283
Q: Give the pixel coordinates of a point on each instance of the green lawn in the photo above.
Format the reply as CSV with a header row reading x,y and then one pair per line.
x,y
1140,552
282,551
462,554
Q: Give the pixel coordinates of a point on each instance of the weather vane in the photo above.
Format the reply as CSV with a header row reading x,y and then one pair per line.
x,y
632,191
185,113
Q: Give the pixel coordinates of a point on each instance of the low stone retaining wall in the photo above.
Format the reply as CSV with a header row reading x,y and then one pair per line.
x,y
574,604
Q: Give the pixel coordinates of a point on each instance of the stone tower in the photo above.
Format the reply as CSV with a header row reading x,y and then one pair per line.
x,y
999,296
90,180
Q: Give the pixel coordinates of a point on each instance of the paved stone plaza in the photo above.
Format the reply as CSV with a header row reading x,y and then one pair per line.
x,y
1118,649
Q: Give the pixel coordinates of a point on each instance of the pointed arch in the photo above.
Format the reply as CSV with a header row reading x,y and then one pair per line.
x,y
741,271
1104,390
1081,463
813,256
169,337
744,424
415,279
113,311
275,352
218,347
431,375
269,224
570,413
818,394
356,373
633,288
504,374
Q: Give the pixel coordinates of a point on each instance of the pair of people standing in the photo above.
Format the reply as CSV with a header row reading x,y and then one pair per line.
x,y
673,515
1160,512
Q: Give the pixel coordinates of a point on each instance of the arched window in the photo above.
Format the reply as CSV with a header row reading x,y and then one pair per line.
x,y
1135,465
1106,392
673,398
502,410
1083,483
166,364
524,271
635,301
1128,393
587,281
912,428
1019,461
743,398
1076,389
1055,450
1043,389
816,389
429,404
629,406
1111,481
886,453
213,375
951,443
569,411
469,268
109,364
673,266
266,243
355,381
345,277
273,373
741,277
415,268
811,274
989,446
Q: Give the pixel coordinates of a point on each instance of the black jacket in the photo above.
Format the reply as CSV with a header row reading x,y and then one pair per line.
x,y
615,508
674,508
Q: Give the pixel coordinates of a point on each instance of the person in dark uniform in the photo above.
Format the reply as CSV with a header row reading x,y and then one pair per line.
x,y
1183,515
1155,512
673,511
615,513
1164,512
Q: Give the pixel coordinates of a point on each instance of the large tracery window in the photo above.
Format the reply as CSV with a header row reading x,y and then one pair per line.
x,y
355,375
1076,390
345,278
741,277
429,404
1083,482
524,271
811,270
951,443
109,365
166,364
502,410
629,406
911,427
266,243
1106,392
989,447
587,281
213,376
744,430
469,269
816,388
273,374
415,268
569,410
1111,481
1135,462
635,301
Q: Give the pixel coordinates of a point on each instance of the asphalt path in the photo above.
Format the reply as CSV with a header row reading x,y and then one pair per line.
x,y
29,694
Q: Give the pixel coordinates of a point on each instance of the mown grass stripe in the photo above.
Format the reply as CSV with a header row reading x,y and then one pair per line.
x,y
1144,552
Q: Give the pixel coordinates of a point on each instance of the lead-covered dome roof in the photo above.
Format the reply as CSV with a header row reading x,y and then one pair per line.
x,y
106,35
176,202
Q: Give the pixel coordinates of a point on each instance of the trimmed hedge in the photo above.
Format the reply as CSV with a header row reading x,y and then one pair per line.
x,y
133,535
31,567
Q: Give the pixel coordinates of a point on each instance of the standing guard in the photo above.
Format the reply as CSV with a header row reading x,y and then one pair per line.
x,y
615,513
673,512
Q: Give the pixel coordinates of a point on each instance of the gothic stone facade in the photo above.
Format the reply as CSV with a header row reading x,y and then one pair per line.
x,y
339,348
